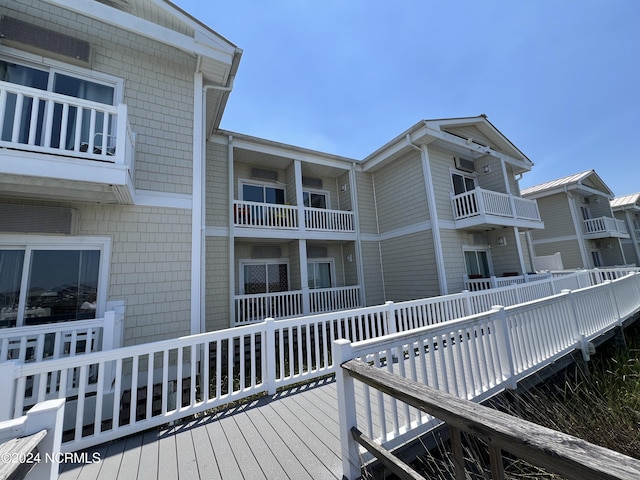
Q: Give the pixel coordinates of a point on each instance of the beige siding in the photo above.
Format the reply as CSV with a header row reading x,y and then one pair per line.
x,y
400,193
217,186
150,266
568,249
242,171
442,164
373,280
452,243
504,257
556,215
344,197
217,294
409,267
366,204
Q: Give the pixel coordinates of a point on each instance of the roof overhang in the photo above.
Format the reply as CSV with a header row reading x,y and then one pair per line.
x,y
435,132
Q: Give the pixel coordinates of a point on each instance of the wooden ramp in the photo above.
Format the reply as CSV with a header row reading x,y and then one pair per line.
x,y
293,434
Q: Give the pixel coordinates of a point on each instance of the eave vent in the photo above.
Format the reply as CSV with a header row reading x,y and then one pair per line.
x,y
312,182
264,174
317,252
37,219
41,40
266,251
464,164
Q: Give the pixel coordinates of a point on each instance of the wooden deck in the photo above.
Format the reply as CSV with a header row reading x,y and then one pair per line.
x,y
293,434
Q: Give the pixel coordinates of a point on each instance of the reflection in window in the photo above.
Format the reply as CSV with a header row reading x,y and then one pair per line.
x,y
315,200
11,262
61,285
319,274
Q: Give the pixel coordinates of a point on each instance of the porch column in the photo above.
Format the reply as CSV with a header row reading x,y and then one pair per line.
x,y
297,169
577,225
523,267
633,234
304,283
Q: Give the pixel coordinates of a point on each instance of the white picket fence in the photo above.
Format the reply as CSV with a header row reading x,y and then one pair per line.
x,y
119,392
475,357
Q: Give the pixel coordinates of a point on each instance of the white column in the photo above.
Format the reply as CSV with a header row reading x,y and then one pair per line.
x,y
304,284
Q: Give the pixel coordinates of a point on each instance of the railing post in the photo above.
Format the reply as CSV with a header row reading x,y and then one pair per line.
x,y
390,318
109,331
346,411
8,389
271,354
468,308
48,416
494,281
614,301
579,336
503,343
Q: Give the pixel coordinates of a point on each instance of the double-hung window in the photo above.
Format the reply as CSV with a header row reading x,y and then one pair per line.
x,y
49,283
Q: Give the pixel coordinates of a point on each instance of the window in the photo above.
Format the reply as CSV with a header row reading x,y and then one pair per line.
x,y
314,199
597,259
319,274
477,263
264,277
262,194
46,284
52,80
462,183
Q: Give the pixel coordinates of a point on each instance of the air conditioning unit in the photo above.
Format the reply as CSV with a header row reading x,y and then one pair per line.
x,y
464,164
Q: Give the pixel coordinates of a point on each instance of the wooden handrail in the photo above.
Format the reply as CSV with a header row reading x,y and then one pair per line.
x,y
554,451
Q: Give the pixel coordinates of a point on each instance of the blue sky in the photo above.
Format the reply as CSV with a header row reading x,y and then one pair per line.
x,y
559,78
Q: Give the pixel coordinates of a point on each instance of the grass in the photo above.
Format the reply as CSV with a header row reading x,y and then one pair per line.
x,y
600,404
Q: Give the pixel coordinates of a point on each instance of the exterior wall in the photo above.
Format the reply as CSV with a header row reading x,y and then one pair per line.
x,y
556,215
452,243
216,292
344,197
243,171
568,249
366,203
400,194
614,255
409,267
217,186
441,163
373,275
504,257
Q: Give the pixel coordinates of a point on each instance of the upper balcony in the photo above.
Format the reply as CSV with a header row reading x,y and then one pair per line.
x,y
64,148
604,227
485,208
287,217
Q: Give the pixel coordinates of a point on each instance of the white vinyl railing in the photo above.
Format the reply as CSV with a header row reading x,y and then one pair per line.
x,y
328,220
486,202
46,122
476,356
54,340
604,225
257,307
475,284
271,215
115,393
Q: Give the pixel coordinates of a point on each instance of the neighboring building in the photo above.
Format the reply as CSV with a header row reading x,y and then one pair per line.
x,y
627,209
308,232
118,190
579,222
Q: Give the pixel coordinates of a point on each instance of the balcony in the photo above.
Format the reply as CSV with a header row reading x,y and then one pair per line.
x,y
604,227
255,308
64,148
285,217
485,208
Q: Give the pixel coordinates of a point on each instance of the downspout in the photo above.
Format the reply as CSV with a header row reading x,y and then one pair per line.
x,y
356,221
232,243
433,214
198,319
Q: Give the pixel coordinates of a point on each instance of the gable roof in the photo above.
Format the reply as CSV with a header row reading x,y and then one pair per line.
x,y
632,200
471,136
587,182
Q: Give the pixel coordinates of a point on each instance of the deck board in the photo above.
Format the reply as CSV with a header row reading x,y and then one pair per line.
x,y
293,434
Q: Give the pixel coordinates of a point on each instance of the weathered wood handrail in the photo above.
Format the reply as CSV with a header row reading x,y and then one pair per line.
x,y
549,449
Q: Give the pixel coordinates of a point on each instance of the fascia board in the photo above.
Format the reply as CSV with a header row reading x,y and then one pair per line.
x,y
147,29
291,152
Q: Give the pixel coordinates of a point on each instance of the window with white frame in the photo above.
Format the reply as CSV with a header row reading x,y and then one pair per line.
x,y
477,263
265,276
48,283
315,199
462,183
262,193
65,82
320,273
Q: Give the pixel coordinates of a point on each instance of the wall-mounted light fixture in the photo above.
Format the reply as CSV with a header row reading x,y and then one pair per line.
x,y
502,241
349,257
486,169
